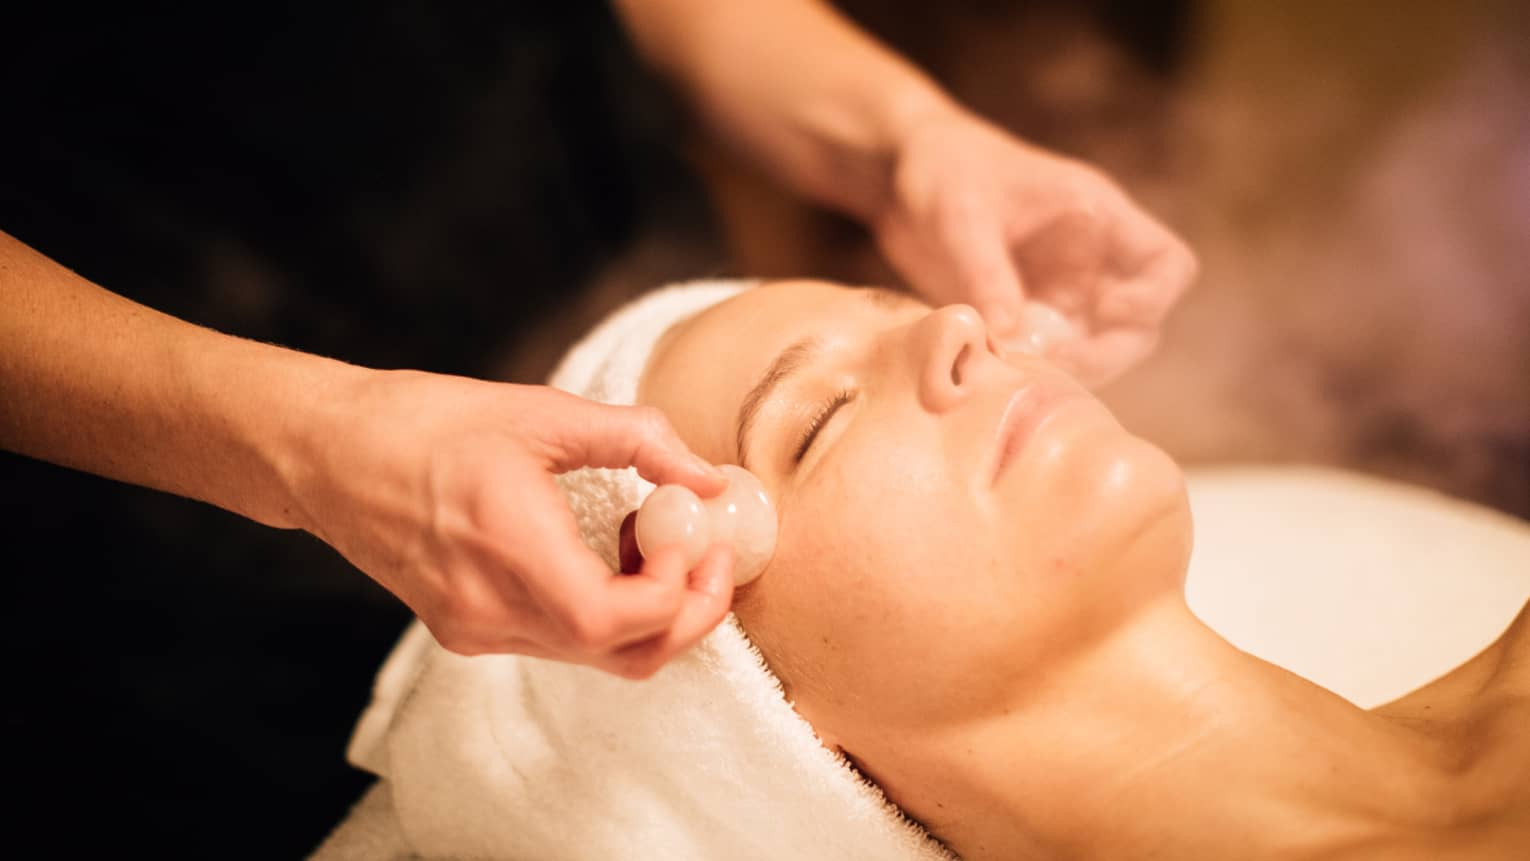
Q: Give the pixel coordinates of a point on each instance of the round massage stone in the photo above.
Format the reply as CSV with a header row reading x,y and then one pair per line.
x,y
672,515
742,515
1041,328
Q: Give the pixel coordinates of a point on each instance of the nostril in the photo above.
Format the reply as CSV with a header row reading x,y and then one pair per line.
x,y
956,366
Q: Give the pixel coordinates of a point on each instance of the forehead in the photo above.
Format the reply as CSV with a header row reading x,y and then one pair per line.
x,y
701,369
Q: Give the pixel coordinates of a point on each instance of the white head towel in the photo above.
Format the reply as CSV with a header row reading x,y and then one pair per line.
x,y
509,757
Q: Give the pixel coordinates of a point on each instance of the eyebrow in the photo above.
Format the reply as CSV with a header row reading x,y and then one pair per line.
x,y
887,297
795,357
787,362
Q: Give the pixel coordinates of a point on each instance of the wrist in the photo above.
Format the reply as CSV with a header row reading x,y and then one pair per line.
x,y
865,143
288,419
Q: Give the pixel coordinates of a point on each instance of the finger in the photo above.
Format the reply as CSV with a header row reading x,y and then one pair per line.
x,y
648,602
566,581
485,610
616,437
622,610
708,596
1155,269
1142,304
984,270
1065,258
1101,358
501,619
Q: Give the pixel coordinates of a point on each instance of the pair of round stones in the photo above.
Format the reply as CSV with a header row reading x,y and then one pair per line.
x,y
674,516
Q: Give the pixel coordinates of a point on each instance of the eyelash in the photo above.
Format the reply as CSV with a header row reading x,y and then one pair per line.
x,y
822,417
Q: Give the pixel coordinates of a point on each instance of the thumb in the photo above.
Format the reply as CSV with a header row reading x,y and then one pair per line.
x,y
615,437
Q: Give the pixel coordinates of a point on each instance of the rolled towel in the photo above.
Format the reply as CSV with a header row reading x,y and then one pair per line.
x,y
509,757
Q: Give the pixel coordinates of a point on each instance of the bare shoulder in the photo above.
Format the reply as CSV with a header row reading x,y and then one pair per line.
x,y
1504,725
1497,675
1511,676
1480,712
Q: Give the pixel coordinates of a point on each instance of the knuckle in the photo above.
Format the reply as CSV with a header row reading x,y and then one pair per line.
x,y
473,611
653,424
957,209
474,616
590,631
639,670
458,641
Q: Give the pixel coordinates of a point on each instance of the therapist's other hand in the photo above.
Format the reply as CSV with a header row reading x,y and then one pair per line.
x,y
441,488
1054,255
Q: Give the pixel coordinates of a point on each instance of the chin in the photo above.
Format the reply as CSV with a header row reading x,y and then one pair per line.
x,y
1153,538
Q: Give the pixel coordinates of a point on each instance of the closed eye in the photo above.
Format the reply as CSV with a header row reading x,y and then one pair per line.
x,y
820,419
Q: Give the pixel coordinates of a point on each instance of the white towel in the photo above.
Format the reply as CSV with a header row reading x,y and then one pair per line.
x,y
508,757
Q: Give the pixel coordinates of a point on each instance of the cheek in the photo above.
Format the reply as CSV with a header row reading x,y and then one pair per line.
x,y
1083,509
884,595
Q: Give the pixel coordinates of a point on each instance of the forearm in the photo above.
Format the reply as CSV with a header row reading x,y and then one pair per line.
x,y
93,381
802,90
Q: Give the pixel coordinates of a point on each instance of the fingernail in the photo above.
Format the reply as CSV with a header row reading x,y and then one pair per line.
x,y
711,471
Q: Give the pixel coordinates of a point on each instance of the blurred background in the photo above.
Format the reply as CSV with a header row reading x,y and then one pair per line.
x,y
465,188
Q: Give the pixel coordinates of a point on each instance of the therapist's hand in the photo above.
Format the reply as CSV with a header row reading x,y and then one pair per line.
x,y
441,488
1054,255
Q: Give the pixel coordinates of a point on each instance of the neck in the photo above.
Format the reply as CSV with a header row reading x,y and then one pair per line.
x,y
1164,735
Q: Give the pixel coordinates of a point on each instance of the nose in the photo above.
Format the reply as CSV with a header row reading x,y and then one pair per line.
x,y
952,344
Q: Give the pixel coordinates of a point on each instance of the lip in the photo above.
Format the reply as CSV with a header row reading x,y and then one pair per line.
x,y
1027,410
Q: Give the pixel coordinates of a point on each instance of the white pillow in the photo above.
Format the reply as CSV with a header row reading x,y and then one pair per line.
x,y
1370,588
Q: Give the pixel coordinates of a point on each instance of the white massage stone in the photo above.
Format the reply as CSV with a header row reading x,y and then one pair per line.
x,y
671,515
742,514
1041,327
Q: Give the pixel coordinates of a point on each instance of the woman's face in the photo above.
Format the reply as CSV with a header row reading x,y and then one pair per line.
x,y
952,521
